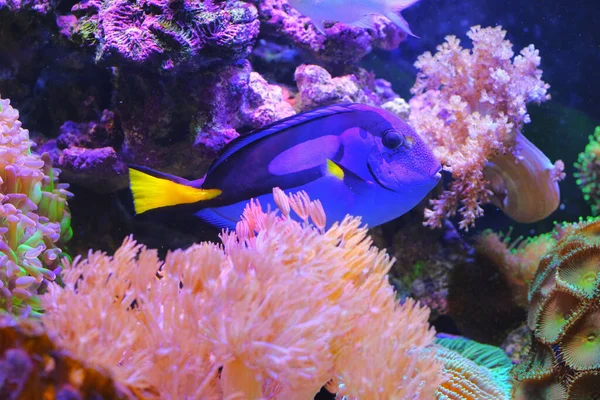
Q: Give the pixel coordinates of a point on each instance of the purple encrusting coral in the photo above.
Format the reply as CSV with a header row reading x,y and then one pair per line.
x,y
164,35
342,44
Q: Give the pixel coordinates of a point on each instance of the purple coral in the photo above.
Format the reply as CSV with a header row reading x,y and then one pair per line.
x,y
166,35
316,87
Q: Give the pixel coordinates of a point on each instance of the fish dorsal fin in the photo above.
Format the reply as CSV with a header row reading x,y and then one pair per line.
x,y
271,129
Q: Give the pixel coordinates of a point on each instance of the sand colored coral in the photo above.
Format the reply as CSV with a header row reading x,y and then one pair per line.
x,y
34,218
470,106
564,359
276,311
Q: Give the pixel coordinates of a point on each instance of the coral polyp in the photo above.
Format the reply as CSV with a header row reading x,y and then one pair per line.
x,y
564,315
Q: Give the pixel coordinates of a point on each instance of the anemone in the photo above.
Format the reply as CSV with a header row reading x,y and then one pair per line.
x,y
590,231
570,244
548,284
580,348
547,264
548,388
533,314
585,386
555,314
578,271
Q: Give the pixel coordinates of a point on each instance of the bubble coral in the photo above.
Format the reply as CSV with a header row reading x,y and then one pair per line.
x,y
274,312
34,218
32,367
563,316
588,172
470,106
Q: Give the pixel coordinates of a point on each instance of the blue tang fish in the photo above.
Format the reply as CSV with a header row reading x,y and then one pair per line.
x,y
355,159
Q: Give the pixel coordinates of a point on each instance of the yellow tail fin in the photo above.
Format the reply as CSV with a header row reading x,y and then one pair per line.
x,y
150,192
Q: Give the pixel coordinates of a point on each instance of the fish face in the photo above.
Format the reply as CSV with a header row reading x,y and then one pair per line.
x,y
401,161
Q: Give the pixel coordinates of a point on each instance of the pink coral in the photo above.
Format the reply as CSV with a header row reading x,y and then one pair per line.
x,y
470,105
280,308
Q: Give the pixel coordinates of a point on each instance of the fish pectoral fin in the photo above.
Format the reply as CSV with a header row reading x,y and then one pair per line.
x,y
352,180
397,19
155,190
366,22
333,169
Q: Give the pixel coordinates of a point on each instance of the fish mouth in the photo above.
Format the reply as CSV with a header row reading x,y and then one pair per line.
x,y
437,175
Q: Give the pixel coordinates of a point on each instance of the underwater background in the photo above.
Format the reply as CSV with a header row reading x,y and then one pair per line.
x,y
483,283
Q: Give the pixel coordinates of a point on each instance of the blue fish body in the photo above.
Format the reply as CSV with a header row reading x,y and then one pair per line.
x,y
355,159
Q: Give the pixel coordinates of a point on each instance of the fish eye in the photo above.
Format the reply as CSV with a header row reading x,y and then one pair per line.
x,y
392,139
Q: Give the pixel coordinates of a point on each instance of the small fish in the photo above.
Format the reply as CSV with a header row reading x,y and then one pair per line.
x,y
353,12
355,159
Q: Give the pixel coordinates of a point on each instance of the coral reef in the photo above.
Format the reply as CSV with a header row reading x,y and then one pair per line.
x,y
563,315
342,44
588,172
477,371
517,260
165,36
40,7
316,305
34,218
160,128
32,367
517,343
425,259
316,87
470,106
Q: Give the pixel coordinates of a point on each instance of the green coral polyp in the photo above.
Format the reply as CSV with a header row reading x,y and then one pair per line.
x,y
581,347
34,218
556,313
578,272
565,318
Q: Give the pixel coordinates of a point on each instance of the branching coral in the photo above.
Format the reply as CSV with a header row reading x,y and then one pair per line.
x,y
34,219
588,172
564,315
280,308
470,105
